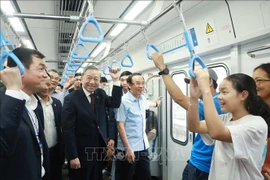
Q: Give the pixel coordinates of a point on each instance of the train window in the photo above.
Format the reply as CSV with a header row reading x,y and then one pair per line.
x,y
178,120
179,131
221,71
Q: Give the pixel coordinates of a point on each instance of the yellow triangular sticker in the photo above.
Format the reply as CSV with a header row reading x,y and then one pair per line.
x,y
209,29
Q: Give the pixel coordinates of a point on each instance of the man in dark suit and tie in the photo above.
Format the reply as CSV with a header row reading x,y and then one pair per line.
x,y
23,148
85,125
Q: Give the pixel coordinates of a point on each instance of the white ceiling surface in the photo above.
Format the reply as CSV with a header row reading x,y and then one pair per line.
x,y
44,31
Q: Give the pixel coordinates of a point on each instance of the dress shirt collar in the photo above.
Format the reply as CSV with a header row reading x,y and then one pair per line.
x,y
41,100
87,93
132,97
31,101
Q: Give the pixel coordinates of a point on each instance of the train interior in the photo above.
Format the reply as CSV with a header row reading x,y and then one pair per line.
x,y
230,36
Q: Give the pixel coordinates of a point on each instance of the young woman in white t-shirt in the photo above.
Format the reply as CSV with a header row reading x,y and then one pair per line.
x,y
240,135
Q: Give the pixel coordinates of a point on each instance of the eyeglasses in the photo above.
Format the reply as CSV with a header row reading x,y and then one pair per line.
x,y
259,81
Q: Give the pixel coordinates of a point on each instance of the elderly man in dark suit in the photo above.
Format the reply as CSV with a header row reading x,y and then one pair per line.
x,y
85,126
23,148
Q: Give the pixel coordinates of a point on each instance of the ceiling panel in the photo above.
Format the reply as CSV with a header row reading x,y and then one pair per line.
x,y
45,42
54,38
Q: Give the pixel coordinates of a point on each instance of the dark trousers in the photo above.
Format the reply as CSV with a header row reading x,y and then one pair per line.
x,y
56,161
91,170
192,173
138,170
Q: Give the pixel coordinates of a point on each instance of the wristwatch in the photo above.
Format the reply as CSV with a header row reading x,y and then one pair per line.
x,y
164,71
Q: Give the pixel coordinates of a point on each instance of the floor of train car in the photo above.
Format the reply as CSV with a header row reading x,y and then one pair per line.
x,y
65,175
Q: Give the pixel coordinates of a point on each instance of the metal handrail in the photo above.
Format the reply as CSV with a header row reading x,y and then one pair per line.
x,y
262,48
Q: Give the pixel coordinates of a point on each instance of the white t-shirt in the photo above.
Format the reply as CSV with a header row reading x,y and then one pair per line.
x,y
241,159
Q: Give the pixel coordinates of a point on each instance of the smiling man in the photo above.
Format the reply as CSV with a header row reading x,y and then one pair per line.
x,y
84,124
132,140
23,148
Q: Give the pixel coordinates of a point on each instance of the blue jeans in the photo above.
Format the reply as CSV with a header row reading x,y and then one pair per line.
x,y
192,173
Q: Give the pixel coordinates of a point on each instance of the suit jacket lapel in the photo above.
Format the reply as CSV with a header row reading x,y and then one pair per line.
x,y
27,120
54,106
86,104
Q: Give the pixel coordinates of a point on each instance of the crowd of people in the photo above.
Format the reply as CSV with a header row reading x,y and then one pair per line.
x,y
43,123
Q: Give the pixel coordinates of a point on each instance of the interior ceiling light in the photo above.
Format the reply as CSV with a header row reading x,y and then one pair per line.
x,y
131,15
7,7
16,24
28,43
100,47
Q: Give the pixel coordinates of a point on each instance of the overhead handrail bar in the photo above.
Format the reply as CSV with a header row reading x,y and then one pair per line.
x,y
262,48
74,18
153,20
193,56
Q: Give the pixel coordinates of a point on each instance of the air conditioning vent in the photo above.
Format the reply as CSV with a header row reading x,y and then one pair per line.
x,y
71,5
65,37
64,49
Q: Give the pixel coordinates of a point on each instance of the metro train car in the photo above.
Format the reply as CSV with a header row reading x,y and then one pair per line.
x,y
227,36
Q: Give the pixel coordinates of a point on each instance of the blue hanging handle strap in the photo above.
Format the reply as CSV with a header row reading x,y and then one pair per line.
x,y
115,62
72,63
71,69
104,71
75,54
127,56
5,54
193,57
92,20
150,45
4,41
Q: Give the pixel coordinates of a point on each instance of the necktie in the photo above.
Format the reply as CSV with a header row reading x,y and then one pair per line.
x,y
92,96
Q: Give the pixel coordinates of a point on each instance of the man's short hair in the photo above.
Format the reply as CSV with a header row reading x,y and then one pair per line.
x,y
129,79
53,70
25,55
125,73
91,67
103,80
77,74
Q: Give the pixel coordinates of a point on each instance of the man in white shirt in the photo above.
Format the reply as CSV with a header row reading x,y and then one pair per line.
x,y
23,148
51,110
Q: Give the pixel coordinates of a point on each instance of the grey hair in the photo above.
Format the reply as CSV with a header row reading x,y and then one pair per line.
x,y
91,67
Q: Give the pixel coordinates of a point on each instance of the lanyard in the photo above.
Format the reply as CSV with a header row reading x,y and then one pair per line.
x,y
36,128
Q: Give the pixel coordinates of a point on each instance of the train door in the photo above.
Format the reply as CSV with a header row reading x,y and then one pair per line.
x,y
154,124
179,139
